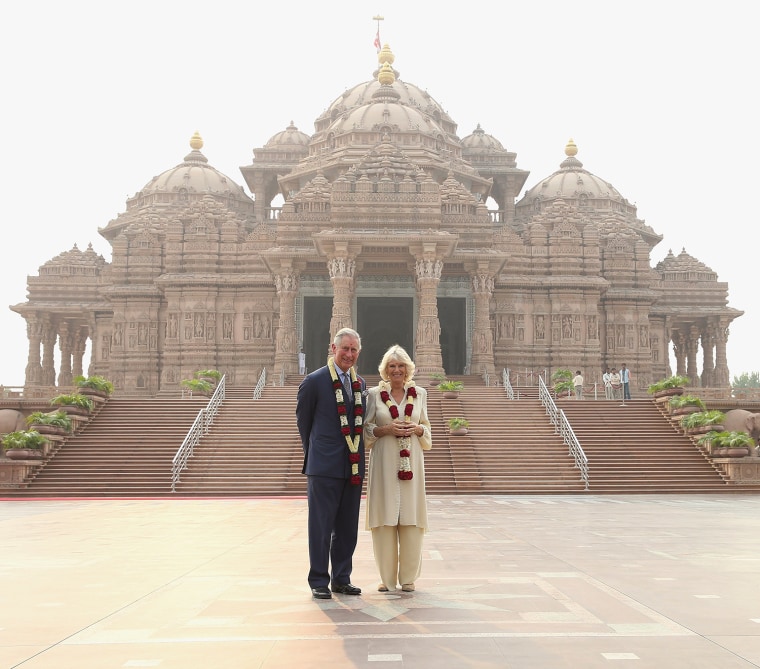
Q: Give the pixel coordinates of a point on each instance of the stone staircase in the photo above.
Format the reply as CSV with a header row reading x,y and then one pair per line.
x,y
253,449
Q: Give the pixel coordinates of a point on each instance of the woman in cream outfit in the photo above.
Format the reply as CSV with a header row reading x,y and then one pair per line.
x,y
396,431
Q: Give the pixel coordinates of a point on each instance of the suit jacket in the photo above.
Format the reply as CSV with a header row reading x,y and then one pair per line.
x,y
324,447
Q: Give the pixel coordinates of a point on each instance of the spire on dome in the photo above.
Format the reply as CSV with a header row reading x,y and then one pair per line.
x,y
571,162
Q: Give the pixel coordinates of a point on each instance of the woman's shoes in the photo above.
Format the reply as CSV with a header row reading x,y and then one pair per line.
x,y
408,587
382,588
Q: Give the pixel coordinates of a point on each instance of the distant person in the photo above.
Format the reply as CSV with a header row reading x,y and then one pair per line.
x,y
578,384
607,383
301,362
617,386
625,379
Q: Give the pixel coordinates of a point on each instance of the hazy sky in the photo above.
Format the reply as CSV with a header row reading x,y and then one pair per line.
x,y
99,97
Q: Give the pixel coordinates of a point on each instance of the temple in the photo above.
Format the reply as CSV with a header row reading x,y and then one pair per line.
x,y
390,223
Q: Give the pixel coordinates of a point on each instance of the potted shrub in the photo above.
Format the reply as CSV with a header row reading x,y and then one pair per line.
x,y
24,444
53,422
563,383
728,444
673,385
684,404
703,422
458,425
450,389
213,376
94,385
75,404
436,378
200,386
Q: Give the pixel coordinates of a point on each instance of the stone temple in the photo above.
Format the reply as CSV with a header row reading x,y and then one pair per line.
x,y
389,223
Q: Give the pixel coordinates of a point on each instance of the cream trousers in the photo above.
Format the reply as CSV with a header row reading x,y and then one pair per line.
x,y
398,553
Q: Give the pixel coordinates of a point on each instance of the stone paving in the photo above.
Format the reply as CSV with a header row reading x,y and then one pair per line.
x,y
508,582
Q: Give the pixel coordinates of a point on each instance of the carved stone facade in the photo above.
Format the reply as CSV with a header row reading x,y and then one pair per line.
x,y
391,224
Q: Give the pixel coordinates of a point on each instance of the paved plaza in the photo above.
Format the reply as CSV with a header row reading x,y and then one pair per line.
x,y
508,582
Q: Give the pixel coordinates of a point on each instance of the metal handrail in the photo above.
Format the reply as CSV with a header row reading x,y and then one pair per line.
x,y
260,384
562,426
507,384
200,426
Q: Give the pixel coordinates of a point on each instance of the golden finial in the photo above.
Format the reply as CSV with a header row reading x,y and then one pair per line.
x,y
386,76
196,141
571,149
385,55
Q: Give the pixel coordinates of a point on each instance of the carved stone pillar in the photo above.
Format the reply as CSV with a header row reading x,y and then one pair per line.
x,y
78,346
482,336
679,349
64,344
33,372
341,271
692,346
286,344
427,347
49,337
721,378
708,366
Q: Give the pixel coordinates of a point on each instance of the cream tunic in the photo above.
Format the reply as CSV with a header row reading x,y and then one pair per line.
x,y
391,501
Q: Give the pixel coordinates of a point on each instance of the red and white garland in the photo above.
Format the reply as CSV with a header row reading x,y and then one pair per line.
x,y
404,443
352,437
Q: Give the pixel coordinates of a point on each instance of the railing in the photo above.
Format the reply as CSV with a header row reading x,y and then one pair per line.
x,y
260,384
200,426
562,426
282,378
507,384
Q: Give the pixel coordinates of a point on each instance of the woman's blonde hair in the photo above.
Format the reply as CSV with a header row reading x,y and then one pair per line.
x,y
395,352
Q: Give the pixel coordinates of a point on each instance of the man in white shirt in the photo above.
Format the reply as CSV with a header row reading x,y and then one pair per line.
x,y
625,379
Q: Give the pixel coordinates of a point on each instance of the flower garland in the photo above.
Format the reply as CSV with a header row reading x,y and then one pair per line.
x,y
351,439
405,472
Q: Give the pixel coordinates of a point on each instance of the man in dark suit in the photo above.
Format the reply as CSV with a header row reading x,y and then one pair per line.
x,y
329,414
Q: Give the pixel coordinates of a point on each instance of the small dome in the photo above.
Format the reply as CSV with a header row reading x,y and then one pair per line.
x,y
480,142
572,183
290,137
192,176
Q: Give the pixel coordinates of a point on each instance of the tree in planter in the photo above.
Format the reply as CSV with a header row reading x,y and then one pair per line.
x,y
563,382
99,384
450,389
24,444
206,374
200,386
703,422
727,444
76,400
669,385
59,420
685,404
457,424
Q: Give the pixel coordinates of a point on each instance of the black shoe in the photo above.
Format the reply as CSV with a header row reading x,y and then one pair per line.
x,y
346,589
321,592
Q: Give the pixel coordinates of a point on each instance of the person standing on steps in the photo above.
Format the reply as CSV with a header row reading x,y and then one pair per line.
x,y
578,385
625,379
330,419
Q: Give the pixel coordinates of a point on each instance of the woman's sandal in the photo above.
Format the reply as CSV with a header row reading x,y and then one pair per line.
x,y
408,587
382,588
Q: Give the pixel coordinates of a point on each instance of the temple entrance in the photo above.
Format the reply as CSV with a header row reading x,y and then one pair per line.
x,y
452,314
382,322
317,312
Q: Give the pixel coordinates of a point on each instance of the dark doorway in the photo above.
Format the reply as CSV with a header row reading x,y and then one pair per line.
x,y
383,322
452,314
317,312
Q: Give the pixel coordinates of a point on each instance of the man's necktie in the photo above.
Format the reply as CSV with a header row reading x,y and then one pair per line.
x,y
347,386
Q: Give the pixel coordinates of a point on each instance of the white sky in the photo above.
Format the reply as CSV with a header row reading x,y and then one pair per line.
x,y
99,97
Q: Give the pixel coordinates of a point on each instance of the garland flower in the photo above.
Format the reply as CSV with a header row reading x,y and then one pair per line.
x,y
352,436
405,472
